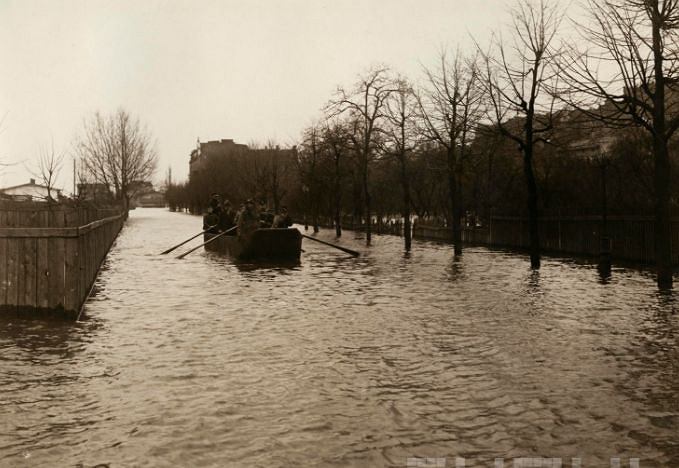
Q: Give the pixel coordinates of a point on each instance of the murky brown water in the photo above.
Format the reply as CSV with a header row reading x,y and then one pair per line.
x,y
341,361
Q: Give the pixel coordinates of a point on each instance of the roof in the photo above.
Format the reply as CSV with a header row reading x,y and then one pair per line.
x,y
30,184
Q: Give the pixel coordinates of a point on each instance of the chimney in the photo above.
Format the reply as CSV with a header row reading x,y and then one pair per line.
x,y
32,182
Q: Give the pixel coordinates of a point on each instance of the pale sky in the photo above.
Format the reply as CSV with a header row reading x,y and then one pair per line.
x,y
245,70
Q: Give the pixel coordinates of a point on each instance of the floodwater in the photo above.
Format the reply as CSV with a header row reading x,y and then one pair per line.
x,y
342,362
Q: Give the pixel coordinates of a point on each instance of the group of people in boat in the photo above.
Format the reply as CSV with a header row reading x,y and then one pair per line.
x,y
221,217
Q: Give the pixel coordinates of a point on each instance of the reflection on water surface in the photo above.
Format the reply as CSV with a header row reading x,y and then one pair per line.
x,y
337,361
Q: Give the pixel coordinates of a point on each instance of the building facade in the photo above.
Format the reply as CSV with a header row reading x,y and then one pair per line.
x,y
31,192
214,149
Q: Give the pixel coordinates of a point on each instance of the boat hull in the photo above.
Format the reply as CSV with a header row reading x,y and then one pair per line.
x,y
264,244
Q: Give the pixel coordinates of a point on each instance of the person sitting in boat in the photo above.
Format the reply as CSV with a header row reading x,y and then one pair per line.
x,y
248,220
211,221
265,216
282,220
215,204
238,212
227,217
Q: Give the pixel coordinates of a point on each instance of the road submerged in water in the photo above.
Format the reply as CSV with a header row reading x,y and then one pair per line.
x,y
342,361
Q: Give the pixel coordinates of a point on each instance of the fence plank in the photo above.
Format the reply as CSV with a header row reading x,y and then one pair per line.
x,y
56,273
30,272
12,294
72,276
42,268
3,272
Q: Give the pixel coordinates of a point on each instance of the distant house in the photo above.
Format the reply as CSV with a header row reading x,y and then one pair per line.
x,y
94,192
143,194
29,192
140,187
152,199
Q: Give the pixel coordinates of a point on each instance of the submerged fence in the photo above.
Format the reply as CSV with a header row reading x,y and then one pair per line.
x,y
50,255
632,237
380,225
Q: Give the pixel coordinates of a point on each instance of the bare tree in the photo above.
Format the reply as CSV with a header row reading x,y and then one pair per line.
x,y
308,160
49,166
83,179
629,76
451,109
365,106
117,150
337,141
517,77
278,171
401,138
167,183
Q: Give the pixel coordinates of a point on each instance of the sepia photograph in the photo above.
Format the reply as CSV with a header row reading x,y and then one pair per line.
x,y
339,233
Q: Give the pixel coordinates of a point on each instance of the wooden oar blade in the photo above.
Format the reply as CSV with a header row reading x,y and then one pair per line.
x,y
205,243
339,247
187,240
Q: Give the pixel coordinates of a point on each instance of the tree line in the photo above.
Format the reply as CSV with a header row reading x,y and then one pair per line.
x,y
525,125
114,156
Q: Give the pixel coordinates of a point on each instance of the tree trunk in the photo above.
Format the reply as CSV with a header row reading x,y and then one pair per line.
x,y
338,200
407,232
314,215
453,194
489,184
368,212
338,222
663,235
533,230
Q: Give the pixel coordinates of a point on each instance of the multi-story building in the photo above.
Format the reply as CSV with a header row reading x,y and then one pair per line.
x,y
238,172
217,149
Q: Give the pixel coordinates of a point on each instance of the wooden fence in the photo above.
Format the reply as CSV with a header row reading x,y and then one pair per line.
x,y
632,237
379,225
50,256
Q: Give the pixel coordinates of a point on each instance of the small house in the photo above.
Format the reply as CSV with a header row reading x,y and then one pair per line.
x,y
30,192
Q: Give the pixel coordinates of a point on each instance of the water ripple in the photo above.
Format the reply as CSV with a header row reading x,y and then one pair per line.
x,y
342,362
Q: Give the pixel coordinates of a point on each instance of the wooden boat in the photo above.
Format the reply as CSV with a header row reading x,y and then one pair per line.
x,y
264,244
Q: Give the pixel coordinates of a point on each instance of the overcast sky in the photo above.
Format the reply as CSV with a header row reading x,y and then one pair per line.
x,y
246,70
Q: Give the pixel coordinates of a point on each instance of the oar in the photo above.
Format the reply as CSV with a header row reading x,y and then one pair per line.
x,y
343,249
205,243
187,240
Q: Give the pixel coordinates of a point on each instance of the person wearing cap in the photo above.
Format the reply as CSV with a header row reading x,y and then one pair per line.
x,y
215,204
282,220
226,216
248,220
212,217
211,222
